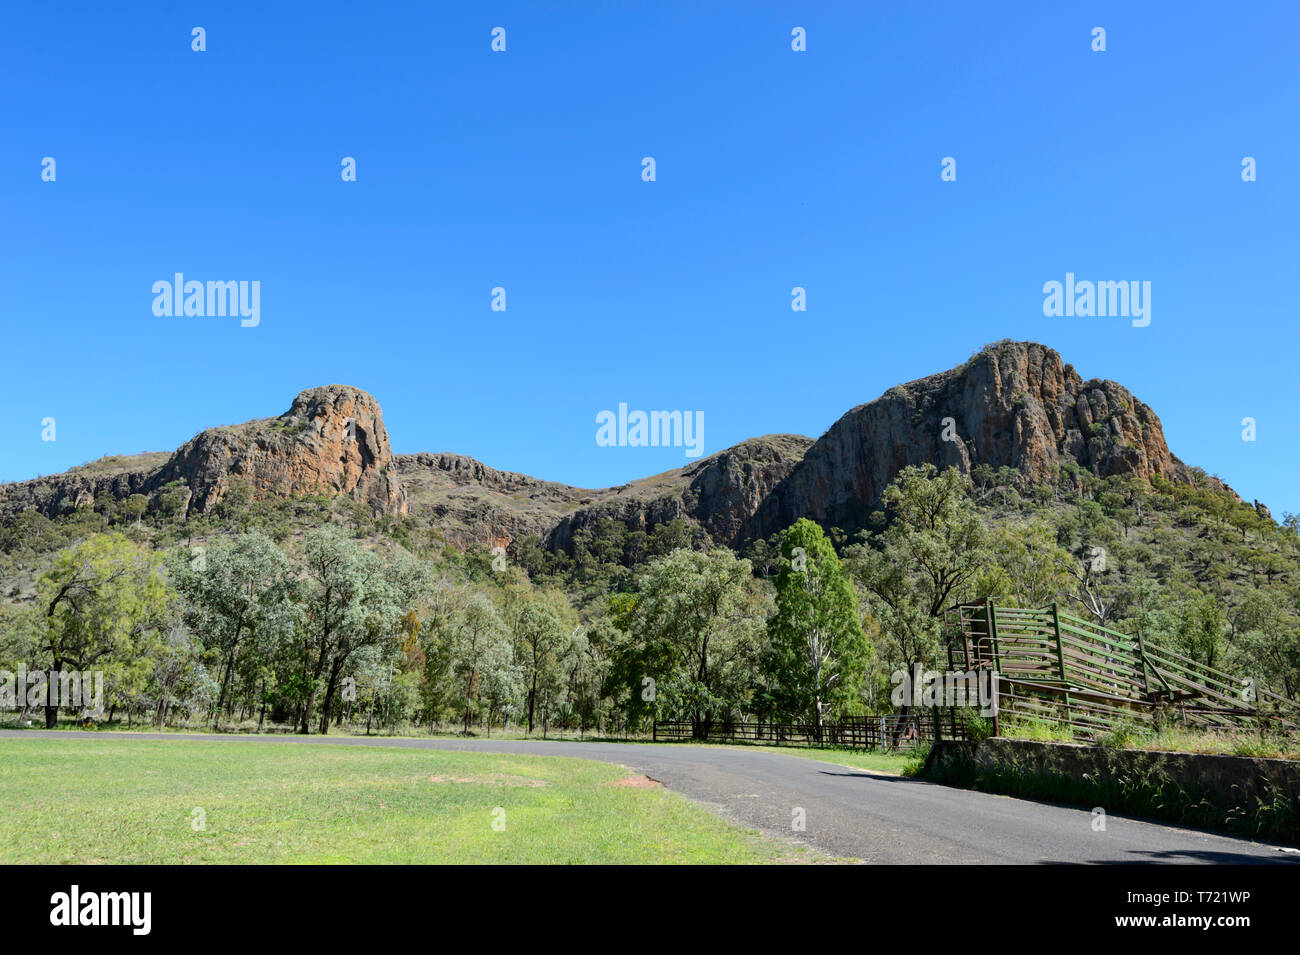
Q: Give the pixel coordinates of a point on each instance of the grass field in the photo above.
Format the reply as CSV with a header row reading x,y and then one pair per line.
x,y
122,801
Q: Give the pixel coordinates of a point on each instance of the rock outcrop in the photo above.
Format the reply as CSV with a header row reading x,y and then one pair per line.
x,y
719,492
1013,404
469,502
729,487
331,441
115,477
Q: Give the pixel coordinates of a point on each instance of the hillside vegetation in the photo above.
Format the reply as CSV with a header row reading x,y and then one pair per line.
x,y
293,572
310,613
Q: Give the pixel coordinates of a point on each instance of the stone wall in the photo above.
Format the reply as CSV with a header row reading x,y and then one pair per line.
x,y
1239,786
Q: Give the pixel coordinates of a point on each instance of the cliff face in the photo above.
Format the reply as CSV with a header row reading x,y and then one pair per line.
x,y
728,488
719,492
1014,404
331,441
472,503
118,477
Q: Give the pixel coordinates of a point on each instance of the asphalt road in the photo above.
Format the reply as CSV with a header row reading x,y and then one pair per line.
x,y
871,816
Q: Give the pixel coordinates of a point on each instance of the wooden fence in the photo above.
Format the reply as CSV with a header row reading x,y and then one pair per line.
x,y
1058,668
891,731
1052,667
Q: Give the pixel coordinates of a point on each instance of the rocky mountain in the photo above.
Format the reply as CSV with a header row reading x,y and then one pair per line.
x,y
118,477
470,502
1013,404
331,441
719,492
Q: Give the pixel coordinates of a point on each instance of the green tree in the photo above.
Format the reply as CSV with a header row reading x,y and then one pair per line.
x,y
1201,629
480,650
818,654
173,500
1027,566
135,506
439,610
99,599
1266,640
695,612
541,639
237,594
351,600
930,553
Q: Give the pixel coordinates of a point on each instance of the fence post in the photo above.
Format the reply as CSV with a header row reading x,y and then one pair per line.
x,y
993,635
1142,658
654,730
1060,657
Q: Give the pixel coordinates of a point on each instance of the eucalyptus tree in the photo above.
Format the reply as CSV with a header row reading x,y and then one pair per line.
x,y
1028,566
1266,640
238,600
584,667
929,554
700,617
351,598
818,655
439,609
99,601
541,639
179,679
480,651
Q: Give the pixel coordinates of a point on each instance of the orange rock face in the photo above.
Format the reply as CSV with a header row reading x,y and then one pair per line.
x,y
332,441
1014,404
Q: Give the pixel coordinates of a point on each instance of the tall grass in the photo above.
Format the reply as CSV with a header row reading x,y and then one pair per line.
x,y
1275,816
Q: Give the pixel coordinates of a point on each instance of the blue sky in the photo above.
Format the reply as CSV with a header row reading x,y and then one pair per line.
x,y
523,170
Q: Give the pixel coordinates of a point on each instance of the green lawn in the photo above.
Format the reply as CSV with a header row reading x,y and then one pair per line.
x,y
123,801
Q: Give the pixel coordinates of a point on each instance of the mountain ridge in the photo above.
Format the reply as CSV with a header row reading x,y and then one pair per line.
x,y
1012,404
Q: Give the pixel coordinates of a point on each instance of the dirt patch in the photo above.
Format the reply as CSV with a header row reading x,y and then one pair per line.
x,y
492,781
636,782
